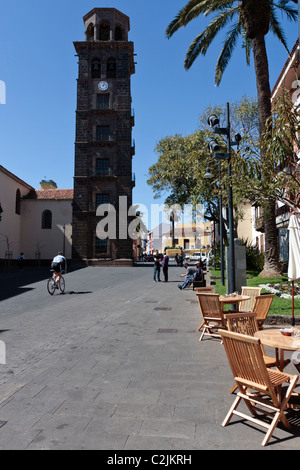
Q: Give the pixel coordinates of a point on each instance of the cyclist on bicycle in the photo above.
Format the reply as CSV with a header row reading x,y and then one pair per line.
x,y
59,264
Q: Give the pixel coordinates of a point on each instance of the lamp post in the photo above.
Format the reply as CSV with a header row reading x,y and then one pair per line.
x,y
208,175
64,238
213,121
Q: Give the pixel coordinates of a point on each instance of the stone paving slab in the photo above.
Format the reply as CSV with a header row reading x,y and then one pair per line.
x,y
115,364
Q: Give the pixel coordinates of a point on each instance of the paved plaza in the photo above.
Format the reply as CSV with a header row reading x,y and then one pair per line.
x,y
115,363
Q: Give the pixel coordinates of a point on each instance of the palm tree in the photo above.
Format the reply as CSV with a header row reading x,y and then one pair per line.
x,y
251,20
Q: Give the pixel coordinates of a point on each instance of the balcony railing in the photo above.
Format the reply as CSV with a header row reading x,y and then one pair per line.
x,y
101,172
133,147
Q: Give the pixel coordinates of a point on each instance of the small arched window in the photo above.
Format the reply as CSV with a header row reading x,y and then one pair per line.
x,y
47,219
118,33
111,67
90,32
104,31
18,202
96,68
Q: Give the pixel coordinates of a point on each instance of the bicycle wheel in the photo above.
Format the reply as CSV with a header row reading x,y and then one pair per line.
x,y
51,286
62,285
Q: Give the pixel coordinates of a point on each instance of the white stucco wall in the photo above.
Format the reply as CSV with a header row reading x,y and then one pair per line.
x,y
47,241
10,224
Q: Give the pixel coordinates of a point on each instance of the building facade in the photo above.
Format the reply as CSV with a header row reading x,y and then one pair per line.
x,y
103,145
37,222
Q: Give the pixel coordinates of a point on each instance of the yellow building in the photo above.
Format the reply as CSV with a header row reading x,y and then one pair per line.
x,y
190,236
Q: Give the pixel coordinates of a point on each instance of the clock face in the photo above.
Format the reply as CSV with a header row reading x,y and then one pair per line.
x,y
102,86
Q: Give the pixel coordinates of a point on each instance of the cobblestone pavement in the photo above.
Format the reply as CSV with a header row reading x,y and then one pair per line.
x,y
115,363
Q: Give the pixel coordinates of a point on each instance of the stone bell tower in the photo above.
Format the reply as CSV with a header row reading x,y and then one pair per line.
x,y
103,143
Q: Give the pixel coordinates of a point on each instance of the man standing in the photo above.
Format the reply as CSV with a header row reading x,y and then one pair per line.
x,y
156,272
165,265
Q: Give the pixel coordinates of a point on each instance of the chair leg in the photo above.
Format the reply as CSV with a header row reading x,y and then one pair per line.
x,y
278,416
231,411
202,334
233,389
199,327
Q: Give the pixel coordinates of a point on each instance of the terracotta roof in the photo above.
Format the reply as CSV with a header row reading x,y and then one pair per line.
x,y
54,194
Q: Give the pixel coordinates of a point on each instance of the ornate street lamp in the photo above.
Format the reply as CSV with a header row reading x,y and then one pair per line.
x,y
214,121
209,175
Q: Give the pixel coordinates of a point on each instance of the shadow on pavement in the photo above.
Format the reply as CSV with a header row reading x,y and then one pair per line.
x,y
84,292
16,282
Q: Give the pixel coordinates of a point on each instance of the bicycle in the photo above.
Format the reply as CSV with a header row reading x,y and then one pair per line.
x,y
52,285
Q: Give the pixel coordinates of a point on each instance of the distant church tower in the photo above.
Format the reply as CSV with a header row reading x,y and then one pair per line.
x,y
103,143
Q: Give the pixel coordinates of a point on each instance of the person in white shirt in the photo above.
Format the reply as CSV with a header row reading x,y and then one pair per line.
x,y
59,264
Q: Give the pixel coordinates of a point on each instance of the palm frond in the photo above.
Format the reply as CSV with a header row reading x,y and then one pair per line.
x,y
226,52
290,12
202,42
180,19
192,10
247,43
276,29
217,5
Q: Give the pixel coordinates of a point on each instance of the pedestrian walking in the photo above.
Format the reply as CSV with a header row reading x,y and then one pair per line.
x,y
165,266
21,258
156,272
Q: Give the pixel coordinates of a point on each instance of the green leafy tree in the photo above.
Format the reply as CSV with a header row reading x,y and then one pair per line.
x,y
251,20
182,162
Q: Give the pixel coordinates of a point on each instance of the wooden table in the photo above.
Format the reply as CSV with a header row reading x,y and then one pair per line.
x,y
272,337
233,300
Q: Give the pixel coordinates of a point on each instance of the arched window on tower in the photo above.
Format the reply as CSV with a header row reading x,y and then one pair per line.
x,y
90,32
18,202
104,31
111,68
118,33
96,68
47,219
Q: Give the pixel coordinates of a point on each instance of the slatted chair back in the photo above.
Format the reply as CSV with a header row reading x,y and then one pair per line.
x,y
213,317
245,323
201,290
210,305
252,292
242,322
245,358
205,289
251,374
261,307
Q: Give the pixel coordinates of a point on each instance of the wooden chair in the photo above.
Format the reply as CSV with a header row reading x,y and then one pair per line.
x,y
204,289
245,323
213,317
252,292
245,357
261,307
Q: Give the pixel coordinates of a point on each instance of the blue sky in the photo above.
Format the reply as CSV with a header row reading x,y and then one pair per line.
x,y
39,68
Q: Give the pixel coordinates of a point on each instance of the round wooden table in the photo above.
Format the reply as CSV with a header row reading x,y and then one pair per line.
x,y
233,300
274,338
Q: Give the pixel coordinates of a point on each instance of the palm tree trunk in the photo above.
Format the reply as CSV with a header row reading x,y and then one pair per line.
x,y
262,80
271,266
